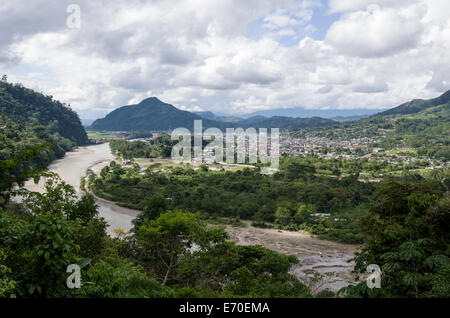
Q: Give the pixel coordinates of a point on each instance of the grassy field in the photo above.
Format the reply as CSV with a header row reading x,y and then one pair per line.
x,y
168,163
101,135
409,151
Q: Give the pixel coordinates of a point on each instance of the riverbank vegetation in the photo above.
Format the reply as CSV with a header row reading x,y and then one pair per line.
x,y
294,198
153,148
171,254
402,221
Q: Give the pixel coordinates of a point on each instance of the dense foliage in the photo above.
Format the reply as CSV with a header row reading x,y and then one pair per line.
x,y
402,221
154,148
407,235
173,254
30,108
287,198
174,250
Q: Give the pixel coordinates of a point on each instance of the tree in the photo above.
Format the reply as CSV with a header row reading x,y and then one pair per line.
x,y
303,214
17,169
283,216
409,265
153,207
85,209
405,234
118,278
90,236
59,198
169,239
7,285
242,271
51,250
297,170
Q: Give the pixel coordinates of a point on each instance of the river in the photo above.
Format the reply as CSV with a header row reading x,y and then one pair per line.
x,y
314,254
73,166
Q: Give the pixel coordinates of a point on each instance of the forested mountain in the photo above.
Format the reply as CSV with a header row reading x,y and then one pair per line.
x,y
150,114
418,105
34,131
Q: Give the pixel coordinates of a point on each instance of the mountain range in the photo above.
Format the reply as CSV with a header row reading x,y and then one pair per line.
x,y
154,115
307,113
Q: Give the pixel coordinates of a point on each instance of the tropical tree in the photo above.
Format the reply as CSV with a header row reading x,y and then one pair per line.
x,y
172,237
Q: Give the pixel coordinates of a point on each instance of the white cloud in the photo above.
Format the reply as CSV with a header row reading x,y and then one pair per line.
x,y
370,85
195,54
352,5
293,16
380,32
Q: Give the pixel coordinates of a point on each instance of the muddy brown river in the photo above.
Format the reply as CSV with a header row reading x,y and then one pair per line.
x,y
73,166
314,254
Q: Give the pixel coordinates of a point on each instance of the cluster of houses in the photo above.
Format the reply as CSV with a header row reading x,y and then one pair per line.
x,y
352,148
325,147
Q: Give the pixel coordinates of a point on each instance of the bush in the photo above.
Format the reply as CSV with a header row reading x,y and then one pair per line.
x,y
123,279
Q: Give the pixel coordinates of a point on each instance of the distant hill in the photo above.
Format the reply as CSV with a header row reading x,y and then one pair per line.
x,y
418,105
300,112
212,116
287,123
349,118
150,114
252,120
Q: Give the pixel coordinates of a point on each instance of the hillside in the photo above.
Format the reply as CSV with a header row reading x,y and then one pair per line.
x,y
418,105
150,114
420,125
34,131
27,107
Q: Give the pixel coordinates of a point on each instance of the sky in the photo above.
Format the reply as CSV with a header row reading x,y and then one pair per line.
x,y
228,56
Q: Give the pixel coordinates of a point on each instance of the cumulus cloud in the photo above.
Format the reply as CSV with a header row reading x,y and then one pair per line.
x,y
378,31
352,5
370,86
440,80
325,89
197,54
